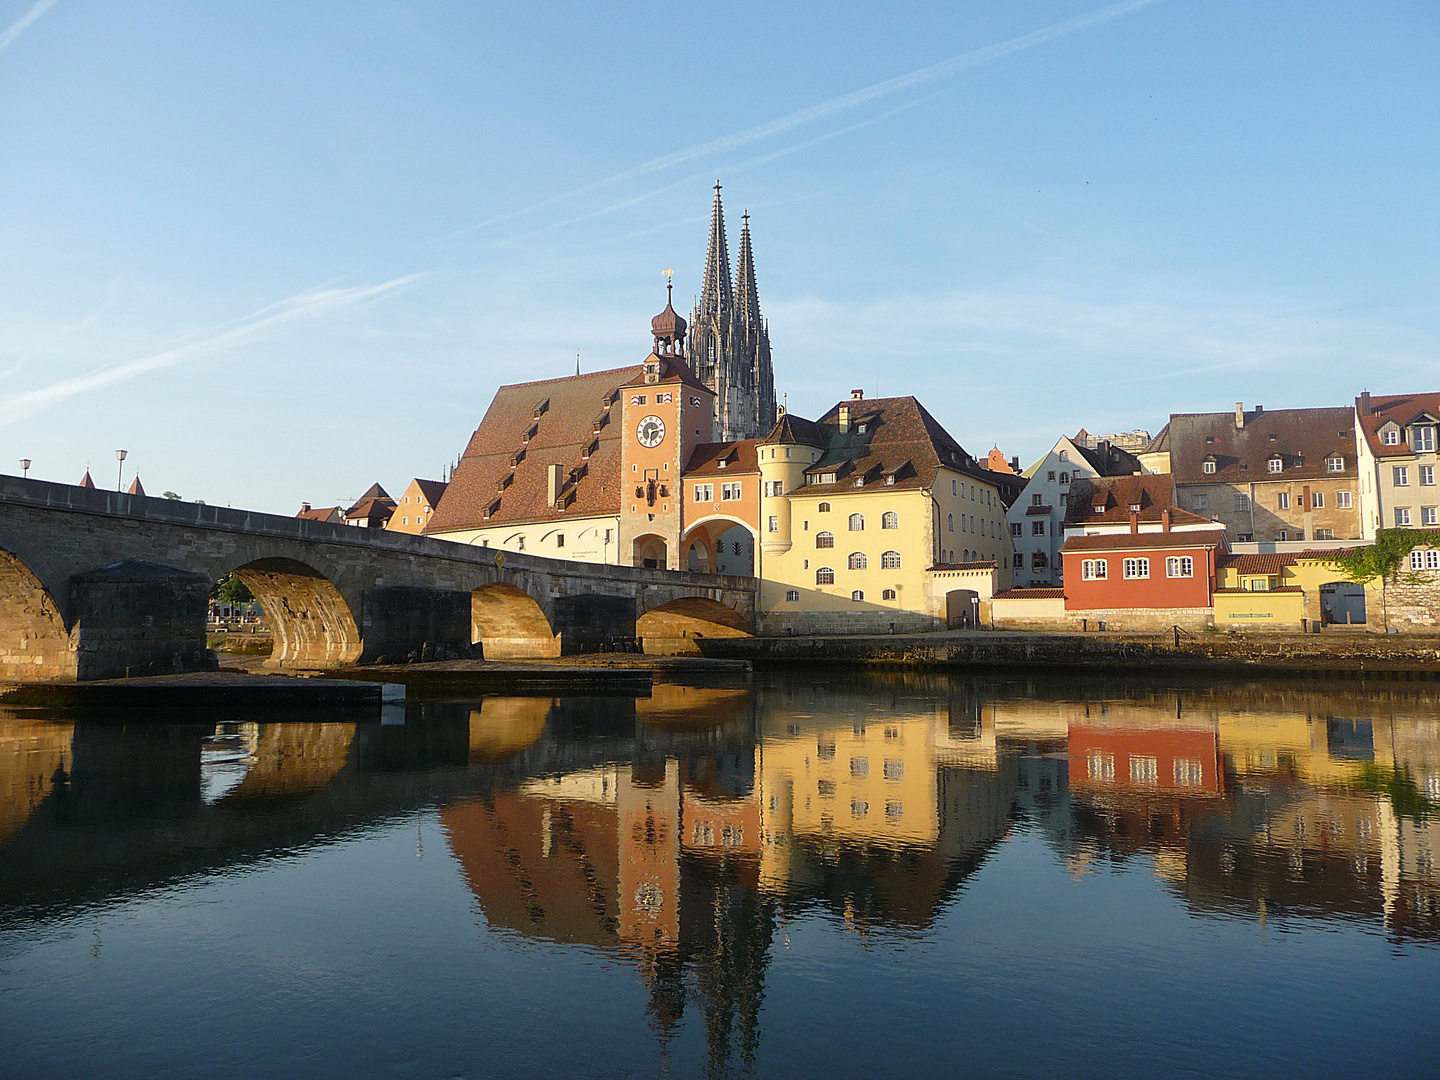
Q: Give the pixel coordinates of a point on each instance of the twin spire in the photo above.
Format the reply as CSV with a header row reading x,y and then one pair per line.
x,y
719,296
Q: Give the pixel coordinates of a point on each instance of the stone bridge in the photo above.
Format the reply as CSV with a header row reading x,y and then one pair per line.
x,y
97,584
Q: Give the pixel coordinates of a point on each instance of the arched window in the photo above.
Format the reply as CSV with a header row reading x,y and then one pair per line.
x,y
858,595
888,594
890,560
823,508
889,520
857,522
824,540
824,576
950,521
965,555
858,561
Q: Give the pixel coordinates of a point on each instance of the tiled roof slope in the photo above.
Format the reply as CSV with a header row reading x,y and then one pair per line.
x,y
1303,438
1160,444
432,490
1154,494
1273,562
1140,541
900,438
1109,460
562,433
739,457
795,430
1401,408
373,494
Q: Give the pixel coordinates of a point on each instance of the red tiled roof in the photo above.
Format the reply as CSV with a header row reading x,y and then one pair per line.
x,y
1153,494
1303,439
795,430
1401,408
1261,592
982,564
375,492
1268,563
1029,594
740,457
322,513
1141,541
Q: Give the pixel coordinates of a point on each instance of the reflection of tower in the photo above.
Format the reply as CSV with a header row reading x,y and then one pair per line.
x,y
729,339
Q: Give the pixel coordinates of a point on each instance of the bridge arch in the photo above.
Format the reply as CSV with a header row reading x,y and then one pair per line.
x,y
678,626
34,641
311,624
509,624
719,544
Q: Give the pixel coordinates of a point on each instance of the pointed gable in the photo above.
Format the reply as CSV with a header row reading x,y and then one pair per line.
x,y
85,481
136,488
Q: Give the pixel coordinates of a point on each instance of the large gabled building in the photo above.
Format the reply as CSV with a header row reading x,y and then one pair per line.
x,y
1395,437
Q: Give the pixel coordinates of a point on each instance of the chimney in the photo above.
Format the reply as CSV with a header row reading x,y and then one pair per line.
x,y
1365,403
1134,519
1239,415
553,486
844,419
1015,463
304,508
1305,498
857,395
1165,520
1259,409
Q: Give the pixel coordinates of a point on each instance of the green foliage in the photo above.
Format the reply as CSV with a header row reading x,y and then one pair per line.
x,y
1384,559
1400,785
232,591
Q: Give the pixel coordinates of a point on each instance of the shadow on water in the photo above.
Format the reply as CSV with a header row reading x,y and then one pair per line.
x,y
678,832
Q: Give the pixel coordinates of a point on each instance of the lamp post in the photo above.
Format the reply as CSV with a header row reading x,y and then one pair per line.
x,y
120,475
24,468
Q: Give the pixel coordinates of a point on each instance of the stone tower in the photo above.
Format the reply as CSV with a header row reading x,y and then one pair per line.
x,y
729,339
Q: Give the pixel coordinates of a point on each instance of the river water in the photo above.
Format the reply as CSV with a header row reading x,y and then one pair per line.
x,y
812,874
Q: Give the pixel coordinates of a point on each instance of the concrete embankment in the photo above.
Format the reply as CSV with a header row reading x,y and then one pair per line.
x,y
1411,656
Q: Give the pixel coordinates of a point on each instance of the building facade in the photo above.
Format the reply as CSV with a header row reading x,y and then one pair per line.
x,y
1395,440
1286,475
417,506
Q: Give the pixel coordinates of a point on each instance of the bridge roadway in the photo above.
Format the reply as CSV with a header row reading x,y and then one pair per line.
x,y
99,584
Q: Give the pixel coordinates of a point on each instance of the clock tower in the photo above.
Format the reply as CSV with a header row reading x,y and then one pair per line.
x,y
665,413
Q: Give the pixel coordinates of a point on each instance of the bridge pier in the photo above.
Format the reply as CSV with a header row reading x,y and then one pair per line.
x,y
399,621
587,622
138,618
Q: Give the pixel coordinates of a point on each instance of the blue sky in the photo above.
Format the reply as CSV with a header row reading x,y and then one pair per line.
x,y
280,251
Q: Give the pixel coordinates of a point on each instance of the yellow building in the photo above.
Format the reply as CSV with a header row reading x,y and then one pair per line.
x,y
875,519
1286,592
416,506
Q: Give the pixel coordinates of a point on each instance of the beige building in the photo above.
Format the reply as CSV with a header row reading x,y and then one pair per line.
x,y
1283,475
1395,439
416,506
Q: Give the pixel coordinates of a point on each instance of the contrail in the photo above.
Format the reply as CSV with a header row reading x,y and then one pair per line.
x,y
20,25
845,102
311,304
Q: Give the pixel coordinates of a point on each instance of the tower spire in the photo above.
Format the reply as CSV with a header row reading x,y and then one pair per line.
x,y
747,296
716,294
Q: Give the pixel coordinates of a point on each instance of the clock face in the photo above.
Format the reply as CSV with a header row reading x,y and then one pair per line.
x,y
650,431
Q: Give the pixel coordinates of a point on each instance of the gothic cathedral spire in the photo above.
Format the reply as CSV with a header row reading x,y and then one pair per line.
x,y
729,341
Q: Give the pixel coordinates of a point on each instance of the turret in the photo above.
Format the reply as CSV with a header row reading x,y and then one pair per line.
x,y
784,456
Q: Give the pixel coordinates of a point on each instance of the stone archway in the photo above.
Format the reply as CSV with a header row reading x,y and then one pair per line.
x,y
313,626
651,551
720,545
510,625
678,626
34,642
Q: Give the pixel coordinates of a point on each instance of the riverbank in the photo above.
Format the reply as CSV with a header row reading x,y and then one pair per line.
x,y
204,689
1358,655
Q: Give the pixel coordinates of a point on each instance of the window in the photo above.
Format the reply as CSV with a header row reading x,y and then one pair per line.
x,y
894,769
823,508
559,539
1242,503
825,749
1143,770
825,576
1208,465
1259,584
730,492
1335,464
1324,534
857,522
1282,501
1100,766
772,523
1402,516
1050,476
1064,455
1427,475
858,561
1137,568
1432,560
1342,500
888,594
859,767
775,487
1422,438
704,493
1037,528
954,487
792,596
858,595
1017,561
1427,516
950,521
894,811
1390,436
1064,478
824,540
859,808
1094,570
890,560
1276,464
889,520
1180,566
1039,561
1037,500
1188,772
1401,475
1200,502
1017,529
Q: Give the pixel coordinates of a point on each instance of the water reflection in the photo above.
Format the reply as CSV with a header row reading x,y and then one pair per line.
x,y
680,833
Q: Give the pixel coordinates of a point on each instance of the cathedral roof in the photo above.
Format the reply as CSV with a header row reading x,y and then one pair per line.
x,y
573,422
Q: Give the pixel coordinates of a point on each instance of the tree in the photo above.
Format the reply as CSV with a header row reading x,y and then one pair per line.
x,y
1384,560
233,591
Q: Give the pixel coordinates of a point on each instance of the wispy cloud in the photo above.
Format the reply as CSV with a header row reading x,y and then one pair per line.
x,y
303,307
20,25
836,105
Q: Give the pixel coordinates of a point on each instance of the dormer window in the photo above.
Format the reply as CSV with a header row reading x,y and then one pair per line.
x,y
1134,508
1273,436
860,481
861,427
1209,440
1422,438
1335,464
1208,465
1390,436
1276,464
890,479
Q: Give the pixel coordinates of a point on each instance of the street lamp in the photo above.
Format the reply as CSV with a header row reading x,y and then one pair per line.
x,y
24,467
120,475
